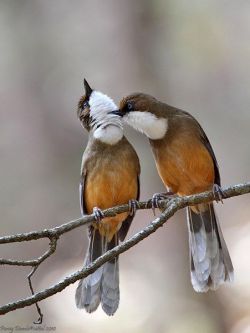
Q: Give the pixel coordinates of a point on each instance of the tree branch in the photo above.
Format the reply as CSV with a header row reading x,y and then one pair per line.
x,y
169,207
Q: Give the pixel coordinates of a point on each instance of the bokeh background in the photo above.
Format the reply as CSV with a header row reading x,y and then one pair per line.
x,y
191,54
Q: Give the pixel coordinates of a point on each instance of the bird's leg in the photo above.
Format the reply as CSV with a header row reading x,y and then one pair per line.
x,y
133,205
98,214
160,196
218,193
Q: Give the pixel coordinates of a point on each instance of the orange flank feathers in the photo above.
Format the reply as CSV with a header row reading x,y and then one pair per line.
x,y
106,188
185,166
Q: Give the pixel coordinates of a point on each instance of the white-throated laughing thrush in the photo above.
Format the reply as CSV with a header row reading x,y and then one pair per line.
x,y
187,165
109,177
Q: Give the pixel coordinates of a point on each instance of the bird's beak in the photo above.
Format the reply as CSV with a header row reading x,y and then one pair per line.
x,y
117,113
88,89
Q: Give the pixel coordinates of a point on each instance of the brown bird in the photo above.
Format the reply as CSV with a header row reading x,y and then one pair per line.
x,y
187,165
109,177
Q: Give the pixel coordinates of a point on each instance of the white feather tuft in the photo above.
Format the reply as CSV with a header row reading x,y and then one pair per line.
x,y
106,127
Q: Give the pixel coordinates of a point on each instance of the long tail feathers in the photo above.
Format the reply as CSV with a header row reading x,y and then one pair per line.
x,y
209,258
110,282
102,285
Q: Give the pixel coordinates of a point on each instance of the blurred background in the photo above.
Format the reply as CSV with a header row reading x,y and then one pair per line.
x,y
191,54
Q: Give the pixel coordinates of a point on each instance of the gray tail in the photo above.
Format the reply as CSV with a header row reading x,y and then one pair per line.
x,y
110,282
209,258
102,286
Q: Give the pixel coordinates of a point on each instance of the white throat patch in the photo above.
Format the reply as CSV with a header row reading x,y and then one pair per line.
x,y
147,123
106,127
110,134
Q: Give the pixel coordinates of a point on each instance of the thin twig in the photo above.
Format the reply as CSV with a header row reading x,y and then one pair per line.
x,y
48,253
170,206
33,262
40,318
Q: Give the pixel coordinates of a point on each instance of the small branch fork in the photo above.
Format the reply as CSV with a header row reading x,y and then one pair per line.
x,y
169,207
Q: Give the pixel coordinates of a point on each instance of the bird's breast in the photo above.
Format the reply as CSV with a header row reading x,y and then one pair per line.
x,y
111,180
184,164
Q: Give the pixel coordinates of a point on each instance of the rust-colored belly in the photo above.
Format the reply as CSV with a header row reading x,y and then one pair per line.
x,y
185,167
107,187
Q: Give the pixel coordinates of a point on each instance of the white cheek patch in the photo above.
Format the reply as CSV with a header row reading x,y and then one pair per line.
x,y
106,127
100,104
147,123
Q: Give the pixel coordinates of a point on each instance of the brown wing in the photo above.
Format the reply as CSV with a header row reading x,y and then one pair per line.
x,y
85,158
207,144
82,194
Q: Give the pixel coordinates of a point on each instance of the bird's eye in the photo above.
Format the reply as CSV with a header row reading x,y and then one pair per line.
x,y
130,106
85,105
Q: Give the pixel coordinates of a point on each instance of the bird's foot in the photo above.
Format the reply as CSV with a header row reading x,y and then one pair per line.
x,y
98,214
133,205
218,193
157,197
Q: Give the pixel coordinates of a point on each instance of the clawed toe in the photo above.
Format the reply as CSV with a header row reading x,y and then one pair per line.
x,y
133,205
157,197
98,214
218,193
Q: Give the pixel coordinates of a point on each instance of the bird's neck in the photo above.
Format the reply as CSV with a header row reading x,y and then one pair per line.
x,y
109,134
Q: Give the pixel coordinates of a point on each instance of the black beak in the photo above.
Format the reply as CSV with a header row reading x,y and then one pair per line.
x,y
88,89
117,113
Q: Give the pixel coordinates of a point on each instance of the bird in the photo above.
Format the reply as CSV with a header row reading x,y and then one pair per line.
x,y
187,165
110,173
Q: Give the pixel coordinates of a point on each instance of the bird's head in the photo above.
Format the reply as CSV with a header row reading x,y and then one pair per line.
x,y
142,112
94,109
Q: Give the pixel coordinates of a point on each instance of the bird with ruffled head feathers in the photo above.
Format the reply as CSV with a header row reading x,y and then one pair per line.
x,y
109,177
94,113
